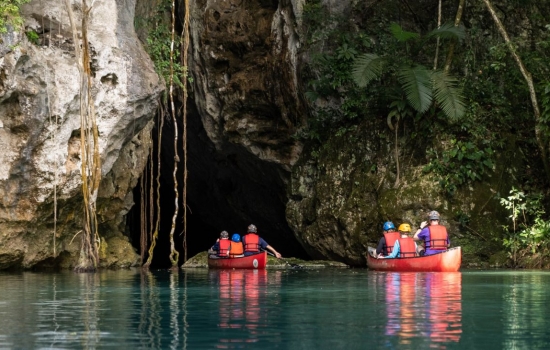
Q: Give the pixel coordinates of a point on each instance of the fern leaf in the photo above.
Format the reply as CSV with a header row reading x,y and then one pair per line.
x,y
448,95
366,68
402,35
416,84
448,31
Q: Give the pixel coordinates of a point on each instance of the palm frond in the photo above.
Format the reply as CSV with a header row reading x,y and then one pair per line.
x,y
416,84
367,67
402,35
447,31
448,95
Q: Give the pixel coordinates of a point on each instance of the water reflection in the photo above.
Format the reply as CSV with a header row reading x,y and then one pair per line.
x,y
150,319
302,309
242,293
424,305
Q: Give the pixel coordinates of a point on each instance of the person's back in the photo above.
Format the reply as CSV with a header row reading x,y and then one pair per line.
x,y
391,238
384,247
435,236
407,247
403,246
251,243
237,248
224,247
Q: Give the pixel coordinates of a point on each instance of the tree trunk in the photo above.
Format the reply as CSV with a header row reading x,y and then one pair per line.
x,y
438,26
450,54
542,140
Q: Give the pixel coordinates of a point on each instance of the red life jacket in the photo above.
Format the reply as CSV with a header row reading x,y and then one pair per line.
x,y
407,247
236,249
224,247
438,237
251,242
391,237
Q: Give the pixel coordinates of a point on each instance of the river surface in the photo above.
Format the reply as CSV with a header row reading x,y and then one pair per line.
x,y
275,309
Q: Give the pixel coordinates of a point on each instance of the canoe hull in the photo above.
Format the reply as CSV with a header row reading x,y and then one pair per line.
x,y
447,261
256,261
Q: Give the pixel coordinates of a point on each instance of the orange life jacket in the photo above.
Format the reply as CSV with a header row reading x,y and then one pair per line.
x,y
236,249
251,242
224,246
407,247
391,237
438,237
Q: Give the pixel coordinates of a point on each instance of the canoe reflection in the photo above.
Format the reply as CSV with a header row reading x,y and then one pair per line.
x,y
426,305
242,292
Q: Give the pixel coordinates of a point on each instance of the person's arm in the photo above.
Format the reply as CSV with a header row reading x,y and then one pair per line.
x,y
395,251
276,253
422,226
380,247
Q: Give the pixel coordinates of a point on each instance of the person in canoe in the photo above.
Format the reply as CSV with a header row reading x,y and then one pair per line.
x,y
254,244
222,245
405,246
434,235
237,249
389,236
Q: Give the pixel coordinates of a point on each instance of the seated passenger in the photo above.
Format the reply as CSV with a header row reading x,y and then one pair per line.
x,y
404,246
254,244
434,235
385,245
236,250
222,245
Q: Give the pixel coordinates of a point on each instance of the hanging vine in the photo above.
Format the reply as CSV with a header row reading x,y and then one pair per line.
x,y
155,234
185,47
174,254
89,146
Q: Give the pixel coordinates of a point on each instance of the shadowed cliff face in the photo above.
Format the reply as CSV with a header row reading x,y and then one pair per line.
x,y
244,108
245,89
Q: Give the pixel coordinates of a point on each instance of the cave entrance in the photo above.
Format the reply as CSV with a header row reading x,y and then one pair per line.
x,y
227,189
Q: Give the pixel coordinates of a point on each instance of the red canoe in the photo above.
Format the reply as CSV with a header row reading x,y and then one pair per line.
x,y
256,261
447,261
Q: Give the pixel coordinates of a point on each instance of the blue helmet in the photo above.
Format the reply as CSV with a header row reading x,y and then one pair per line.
x,y
388,225
236,237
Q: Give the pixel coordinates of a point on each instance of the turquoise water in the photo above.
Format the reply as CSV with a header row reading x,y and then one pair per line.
x,y
283,309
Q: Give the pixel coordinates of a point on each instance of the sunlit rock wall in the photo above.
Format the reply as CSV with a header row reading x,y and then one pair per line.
x,y
40,127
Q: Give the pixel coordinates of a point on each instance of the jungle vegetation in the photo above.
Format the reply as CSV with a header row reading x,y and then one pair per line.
x,y
474,74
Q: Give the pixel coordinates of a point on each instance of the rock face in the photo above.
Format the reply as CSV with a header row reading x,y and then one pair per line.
x,y
246,70
340,198
40,128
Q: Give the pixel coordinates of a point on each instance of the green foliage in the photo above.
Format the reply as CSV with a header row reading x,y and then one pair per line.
x,y
9,14
525,239
460,163
447,94
447,31
366,68
32,36
158,43
418,84
402,35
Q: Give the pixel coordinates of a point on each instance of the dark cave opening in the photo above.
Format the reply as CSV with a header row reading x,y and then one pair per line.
x,y
227,189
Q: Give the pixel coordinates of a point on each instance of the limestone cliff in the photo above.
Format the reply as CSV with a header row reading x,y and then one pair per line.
x,y
40,128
